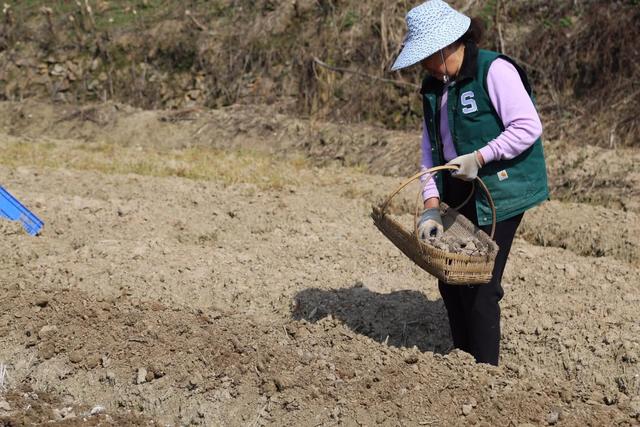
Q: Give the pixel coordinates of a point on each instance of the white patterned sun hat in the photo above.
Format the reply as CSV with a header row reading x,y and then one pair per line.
x,y
431,26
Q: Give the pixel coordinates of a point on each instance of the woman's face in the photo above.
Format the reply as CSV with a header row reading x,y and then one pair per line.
x,y
435,66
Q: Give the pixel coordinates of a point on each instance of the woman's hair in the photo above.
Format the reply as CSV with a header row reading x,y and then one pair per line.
x,y
475,32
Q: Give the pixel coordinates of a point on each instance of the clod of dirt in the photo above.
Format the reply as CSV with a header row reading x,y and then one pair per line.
x,y
195,381
97,410
268,387
306,358
105,361
156,371
141,376
92,361
411,359
42,302
47,351
4,406
64,413
553,417
634,408
237,347
76,356
280,383
346,374
566,395
466,409
47,332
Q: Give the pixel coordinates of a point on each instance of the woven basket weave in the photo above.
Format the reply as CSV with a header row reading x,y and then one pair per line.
x,y
451,268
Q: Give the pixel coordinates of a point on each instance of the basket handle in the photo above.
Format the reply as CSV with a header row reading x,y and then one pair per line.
x,y
431,172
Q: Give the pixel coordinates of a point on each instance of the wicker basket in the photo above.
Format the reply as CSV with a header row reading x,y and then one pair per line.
x,y
451,268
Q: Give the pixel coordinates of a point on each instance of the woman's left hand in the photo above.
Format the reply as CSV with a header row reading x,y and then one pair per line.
x,y
469,165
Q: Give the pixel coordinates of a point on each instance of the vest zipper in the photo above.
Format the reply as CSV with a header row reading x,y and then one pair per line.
x,y
439,146
454,108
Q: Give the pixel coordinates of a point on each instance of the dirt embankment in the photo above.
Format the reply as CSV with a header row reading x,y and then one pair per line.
x,y
211,297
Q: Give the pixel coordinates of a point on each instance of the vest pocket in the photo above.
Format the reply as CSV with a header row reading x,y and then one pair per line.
x,y
511,186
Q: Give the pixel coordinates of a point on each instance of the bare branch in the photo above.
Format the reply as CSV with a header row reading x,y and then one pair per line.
x,y
198,24
365,75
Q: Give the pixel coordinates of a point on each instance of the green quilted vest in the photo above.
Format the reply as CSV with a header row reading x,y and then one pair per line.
x,y
515,185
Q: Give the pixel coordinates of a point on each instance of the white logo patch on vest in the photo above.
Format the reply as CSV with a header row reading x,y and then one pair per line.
x,y
502,175
468,103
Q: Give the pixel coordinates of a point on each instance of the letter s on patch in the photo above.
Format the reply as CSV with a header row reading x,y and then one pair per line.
x,y
469,104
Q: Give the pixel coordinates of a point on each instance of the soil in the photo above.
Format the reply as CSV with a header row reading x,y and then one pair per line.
x,y
179,301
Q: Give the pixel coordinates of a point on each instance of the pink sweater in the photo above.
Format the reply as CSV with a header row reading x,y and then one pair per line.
x,y
522,125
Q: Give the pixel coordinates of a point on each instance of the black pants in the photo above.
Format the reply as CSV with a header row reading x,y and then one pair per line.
x,y
474,310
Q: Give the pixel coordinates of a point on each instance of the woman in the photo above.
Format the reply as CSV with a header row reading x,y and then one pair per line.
x,y
478,114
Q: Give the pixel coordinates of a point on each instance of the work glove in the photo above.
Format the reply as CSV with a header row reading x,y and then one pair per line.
x,y
430,224
469,166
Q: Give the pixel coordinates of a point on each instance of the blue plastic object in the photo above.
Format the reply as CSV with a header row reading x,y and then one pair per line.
x,y
13,210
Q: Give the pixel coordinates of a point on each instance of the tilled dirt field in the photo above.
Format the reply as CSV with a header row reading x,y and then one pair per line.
x,y
158,295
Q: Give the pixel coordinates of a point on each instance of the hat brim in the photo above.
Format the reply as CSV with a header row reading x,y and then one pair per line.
x,y
415,50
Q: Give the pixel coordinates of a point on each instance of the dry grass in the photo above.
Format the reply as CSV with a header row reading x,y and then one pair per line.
x,y
594,87
199,163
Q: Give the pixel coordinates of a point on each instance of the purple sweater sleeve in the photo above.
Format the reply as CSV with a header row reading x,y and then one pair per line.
x,y
430,190
516,110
